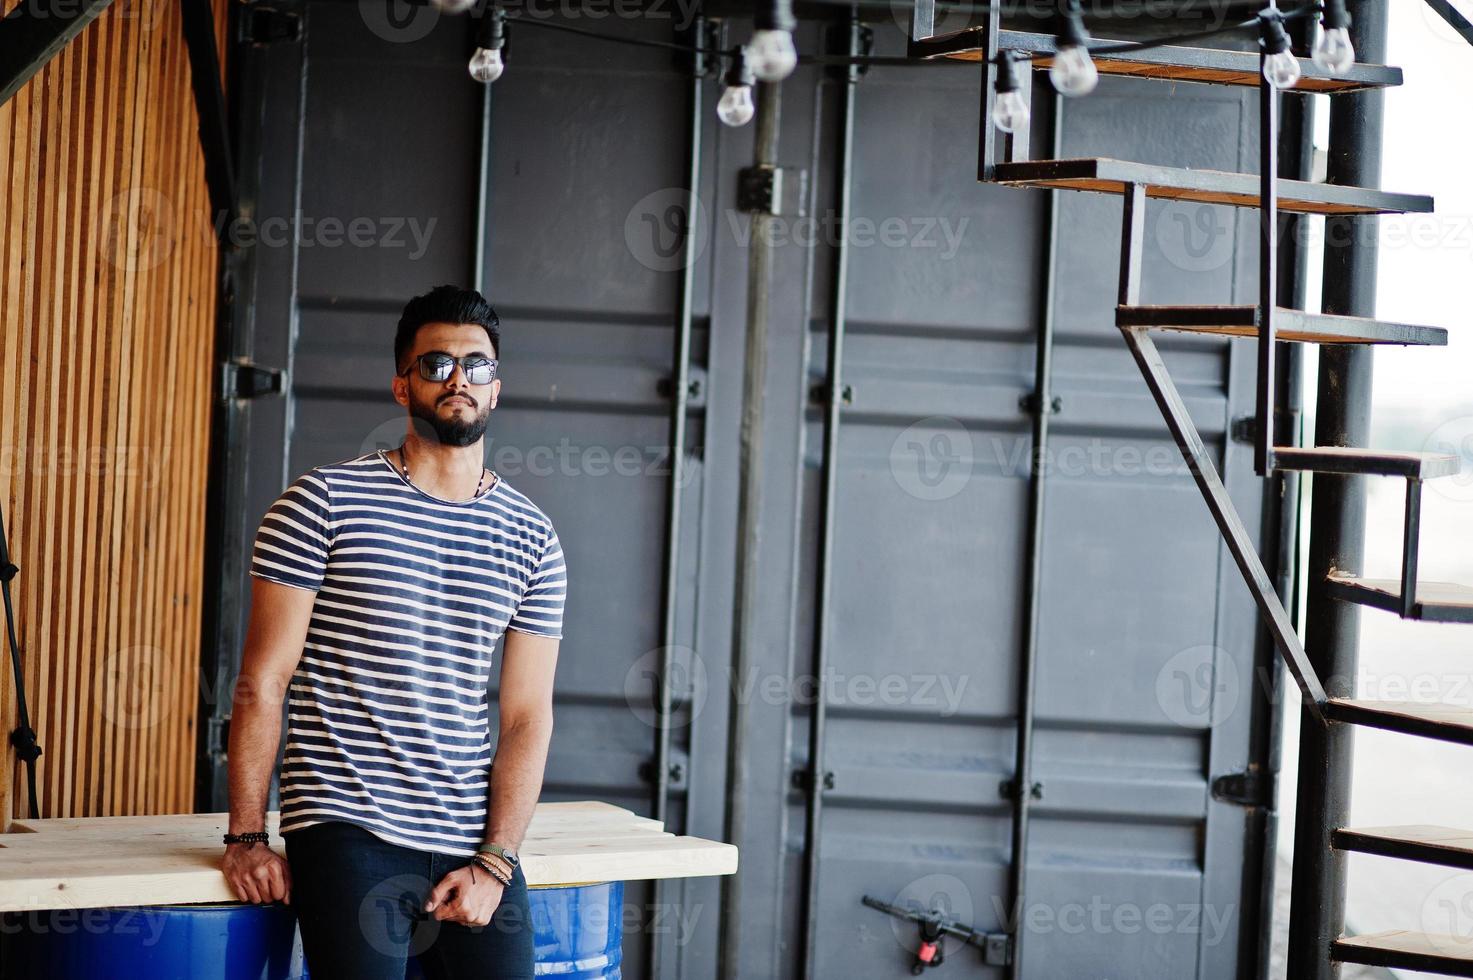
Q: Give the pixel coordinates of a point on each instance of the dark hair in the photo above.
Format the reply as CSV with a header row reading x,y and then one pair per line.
x,y
445,304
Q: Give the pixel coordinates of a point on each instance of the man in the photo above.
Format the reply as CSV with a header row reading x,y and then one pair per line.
x,y
381,585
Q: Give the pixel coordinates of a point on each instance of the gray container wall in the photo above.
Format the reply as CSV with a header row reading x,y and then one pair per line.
x,y
1146,685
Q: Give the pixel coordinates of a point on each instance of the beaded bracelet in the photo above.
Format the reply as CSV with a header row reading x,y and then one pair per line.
x,y
250,838
492,870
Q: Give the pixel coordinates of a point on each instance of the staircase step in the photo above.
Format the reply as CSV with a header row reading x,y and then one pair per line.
x,y
1400,949
1295,325
1446,722
1369,462
1415,842
1437,602
1104,175
1173,63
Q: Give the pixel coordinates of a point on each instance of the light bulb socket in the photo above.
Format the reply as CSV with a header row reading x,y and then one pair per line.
x,y
738,73
491,31
1271,34
1335,15
1071,26
775,15
1007,72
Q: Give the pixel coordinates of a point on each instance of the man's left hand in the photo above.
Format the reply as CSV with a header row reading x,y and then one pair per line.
x,y
467,895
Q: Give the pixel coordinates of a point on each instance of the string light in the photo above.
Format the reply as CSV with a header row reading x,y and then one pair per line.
x,y
1280,66
1333,51
771,54
735,107
1073,71
453,6
1009,111
486,65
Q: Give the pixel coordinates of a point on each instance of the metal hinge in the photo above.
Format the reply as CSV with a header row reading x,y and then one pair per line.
x,y
677,766
1247,788
219,736
772,190
803,779
242,379
997,949
1008,790
1244,428
262,24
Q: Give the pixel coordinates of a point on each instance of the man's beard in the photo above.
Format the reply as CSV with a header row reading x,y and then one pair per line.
x,y
453,431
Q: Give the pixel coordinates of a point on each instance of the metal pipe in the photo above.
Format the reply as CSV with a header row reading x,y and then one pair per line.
x,y
749,500
1296,156
1042,407
483,196
1268,261
679,406
1337,524
209,104
829,467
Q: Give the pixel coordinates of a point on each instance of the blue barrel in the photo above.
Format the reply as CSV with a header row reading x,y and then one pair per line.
x,y
577,930
168,942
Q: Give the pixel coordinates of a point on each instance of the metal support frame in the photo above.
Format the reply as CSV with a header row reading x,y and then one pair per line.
x,y
209,105
986,132
833,404
35,32
1041,408
1189,441
1268,268
680,394
1337,526
1411,532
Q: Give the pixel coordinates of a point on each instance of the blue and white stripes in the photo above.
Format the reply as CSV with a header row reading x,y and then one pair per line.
x,y
388,715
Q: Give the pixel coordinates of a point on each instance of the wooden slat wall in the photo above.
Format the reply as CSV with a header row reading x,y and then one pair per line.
x,y
107,284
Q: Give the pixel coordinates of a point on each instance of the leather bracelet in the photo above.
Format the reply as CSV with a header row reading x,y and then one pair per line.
x,y
250,838
492,870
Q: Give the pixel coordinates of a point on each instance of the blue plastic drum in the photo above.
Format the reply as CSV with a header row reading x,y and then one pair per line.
x,y
578,931
167,942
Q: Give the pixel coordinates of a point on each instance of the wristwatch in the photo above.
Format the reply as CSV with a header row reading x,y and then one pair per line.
x,y
505,853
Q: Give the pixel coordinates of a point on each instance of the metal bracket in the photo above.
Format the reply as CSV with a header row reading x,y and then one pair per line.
x,y
695,391
1247,788
803,779
819,394
678,768
262,24
1029,403
997,949
1008,789
242,379
219,736
765,189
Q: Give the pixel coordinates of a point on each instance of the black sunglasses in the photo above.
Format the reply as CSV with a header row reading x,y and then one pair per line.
x,y
436,365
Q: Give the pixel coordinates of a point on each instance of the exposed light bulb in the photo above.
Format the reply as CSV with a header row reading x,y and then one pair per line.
x,y
735,107
1281,69
771,55
1073,71
486,65
1010,112
1333,51
453,6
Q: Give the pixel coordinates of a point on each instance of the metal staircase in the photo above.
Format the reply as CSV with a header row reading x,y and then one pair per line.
x,y
1319,899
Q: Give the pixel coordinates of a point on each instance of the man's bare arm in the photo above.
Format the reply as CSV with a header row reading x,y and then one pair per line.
x,y
275,636
527,666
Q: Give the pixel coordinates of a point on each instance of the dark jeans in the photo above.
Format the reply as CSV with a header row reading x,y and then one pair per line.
x,y
360,901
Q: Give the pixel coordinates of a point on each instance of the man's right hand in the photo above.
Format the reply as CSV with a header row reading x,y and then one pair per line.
x,y
257,874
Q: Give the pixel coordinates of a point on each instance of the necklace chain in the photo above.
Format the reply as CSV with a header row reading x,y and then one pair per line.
x,y
404,468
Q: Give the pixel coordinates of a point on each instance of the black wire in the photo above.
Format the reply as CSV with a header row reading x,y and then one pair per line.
x,y
1122,47
23,737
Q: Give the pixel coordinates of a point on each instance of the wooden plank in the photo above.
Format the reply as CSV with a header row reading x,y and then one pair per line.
x,y
1427,843
100,861
1293,325
1402,949
1440,602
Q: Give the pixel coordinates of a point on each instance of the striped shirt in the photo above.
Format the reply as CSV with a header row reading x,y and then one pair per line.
x,y
388,709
